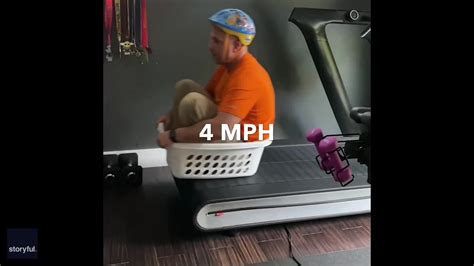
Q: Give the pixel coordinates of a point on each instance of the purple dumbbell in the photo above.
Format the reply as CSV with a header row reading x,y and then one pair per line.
x,y
315,136
327,148
340,172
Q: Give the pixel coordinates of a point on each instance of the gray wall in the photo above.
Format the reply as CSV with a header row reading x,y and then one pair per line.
x,y
136,94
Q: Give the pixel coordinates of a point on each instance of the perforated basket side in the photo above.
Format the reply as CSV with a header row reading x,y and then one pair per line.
x,y
192,163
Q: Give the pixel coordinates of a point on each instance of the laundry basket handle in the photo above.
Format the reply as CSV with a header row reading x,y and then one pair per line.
x,y
161,127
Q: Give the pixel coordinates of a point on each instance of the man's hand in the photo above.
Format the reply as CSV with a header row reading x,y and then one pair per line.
x,y
165,119
164,140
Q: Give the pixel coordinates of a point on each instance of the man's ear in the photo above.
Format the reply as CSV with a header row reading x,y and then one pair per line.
x,y
237,44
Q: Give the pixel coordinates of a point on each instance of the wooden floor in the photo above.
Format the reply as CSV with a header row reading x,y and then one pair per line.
x,y
145,227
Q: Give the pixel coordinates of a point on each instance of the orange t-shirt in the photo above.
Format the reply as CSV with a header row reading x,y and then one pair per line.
x,y
246,92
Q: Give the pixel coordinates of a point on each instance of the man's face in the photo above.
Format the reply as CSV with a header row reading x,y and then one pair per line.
x,y
221,46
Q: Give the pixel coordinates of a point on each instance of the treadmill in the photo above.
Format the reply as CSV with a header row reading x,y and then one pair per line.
x,y
289,185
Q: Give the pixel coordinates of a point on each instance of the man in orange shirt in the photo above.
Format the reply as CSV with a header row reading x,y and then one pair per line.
x,y
240,91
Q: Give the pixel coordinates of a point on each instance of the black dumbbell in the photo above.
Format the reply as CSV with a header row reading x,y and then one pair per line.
x,y
111,169
131,172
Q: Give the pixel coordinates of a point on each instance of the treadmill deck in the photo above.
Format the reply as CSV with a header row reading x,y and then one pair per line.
x,y
288,186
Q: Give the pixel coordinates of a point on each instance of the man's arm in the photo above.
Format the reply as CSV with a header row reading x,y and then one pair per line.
x,y
191,134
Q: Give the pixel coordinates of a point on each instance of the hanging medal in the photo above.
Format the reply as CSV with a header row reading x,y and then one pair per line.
x,y
118,23
127,45
108,29
144,31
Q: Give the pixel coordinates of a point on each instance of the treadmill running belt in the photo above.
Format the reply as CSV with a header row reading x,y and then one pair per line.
x,y
283,170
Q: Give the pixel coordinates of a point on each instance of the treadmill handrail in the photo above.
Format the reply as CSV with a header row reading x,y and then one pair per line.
x,y
312,23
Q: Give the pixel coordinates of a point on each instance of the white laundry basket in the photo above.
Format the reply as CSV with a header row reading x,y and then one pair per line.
x,y
215,160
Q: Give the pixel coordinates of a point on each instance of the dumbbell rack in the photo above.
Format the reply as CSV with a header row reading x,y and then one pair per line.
x,y
341,139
